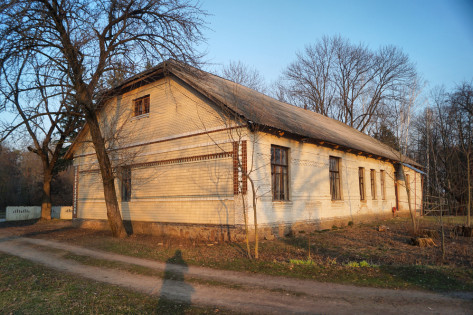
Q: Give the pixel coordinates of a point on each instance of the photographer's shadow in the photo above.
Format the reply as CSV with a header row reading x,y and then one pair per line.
x,y
175,295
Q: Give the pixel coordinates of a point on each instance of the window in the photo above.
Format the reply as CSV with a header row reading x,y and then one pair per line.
x,y
126,184
279,173
373,183
334,169
141,106
361,182
382,176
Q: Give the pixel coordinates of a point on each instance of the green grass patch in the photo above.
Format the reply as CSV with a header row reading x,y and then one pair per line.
x,y
448,220
362,264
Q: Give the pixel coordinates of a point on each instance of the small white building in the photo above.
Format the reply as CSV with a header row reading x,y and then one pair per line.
x,y
187,146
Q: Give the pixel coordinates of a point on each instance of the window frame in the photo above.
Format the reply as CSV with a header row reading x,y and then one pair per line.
x,y
373,184
361,183
280,173
141,106
382,178
126,184
335,179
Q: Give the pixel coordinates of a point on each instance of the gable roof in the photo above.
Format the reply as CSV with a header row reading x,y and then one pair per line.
x,y
265,111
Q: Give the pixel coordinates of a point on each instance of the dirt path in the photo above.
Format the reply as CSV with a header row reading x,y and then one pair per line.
x,y
256,293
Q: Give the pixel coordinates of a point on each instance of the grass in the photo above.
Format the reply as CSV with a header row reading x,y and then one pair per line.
x,y
385,259
307,262
89,261
455,220
433,278
103,263
28,288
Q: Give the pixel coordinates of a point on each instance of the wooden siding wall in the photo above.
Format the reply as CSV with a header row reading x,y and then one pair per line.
x,y
309,189
181,159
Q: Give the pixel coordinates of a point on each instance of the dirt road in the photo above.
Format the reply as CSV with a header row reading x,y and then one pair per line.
x,y
238,291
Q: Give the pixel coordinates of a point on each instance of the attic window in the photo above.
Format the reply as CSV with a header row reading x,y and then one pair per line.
x,y
141,106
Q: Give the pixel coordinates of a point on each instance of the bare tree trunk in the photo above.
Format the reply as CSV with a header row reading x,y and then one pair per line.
x,y
245,213
253,190
46,199
408,191
468,219
443,233
113,211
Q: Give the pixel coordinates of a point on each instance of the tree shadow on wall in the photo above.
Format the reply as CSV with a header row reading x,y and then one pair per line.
x,y
175,295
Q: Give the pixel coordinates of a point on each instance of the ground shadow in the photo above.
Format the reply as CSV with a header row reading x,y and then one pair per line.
x,y
428,278
175,295
19,223
30,228
240,248
128,227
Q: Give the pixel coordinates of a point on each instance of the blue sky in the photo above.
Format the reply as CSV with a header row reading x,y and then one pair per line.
x,y
437,35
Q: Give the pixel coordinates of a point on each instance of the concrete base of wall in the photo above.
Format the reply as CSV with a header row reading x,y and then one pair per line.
x,y
236,233
201,232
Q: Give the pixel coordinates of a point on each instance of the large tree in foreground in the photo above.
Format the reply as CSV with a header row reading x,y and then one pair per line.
x,y
80,44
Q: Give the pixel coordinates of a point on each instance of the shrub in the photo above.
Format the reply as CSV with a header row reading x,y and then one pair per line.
x,y
353,264
307,262
362,264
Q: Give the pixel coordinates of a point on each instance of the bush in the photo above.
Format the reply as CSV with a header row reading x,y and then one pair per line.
x,y
362,264
307,262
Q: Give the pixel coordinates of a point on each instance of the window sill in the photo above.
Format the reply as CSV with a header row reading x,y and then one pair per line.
x,y
282,201
337,201
140,116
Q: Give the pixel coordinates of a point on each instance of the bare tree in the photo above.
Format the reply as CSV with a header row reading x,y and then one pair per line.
x,y
307,81
345,81
445,148
461,102
44,118
78,44
240,73
403,108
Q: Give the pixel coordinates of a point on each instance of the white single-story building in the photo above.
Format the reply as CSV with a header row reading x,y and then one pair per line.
x,y
187,146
